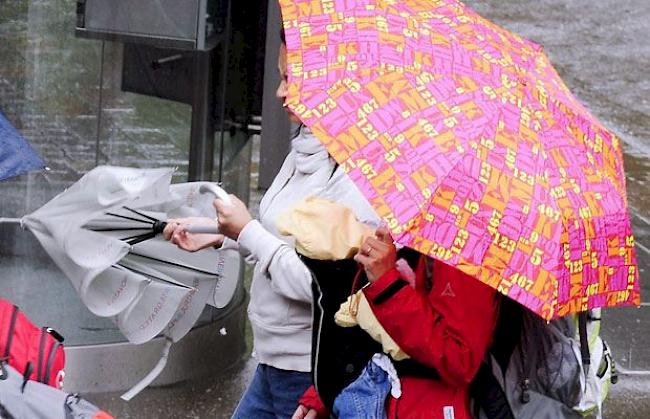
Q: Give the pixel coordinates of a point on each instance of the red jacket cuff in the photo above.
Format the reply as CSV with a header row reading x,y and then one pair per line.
x,y
311,400
384,287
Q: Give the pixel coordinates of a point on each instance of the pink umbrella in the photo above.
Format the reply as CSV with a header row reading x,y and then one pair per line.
x,y
466,141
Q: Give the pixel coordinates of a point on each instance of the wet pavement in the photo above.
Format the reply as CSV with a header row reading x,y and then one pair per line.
x,y
214,398
602,50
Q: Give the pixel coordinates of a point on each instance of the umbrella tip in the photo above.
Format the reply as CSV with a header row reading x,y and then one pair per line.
x,y
159,226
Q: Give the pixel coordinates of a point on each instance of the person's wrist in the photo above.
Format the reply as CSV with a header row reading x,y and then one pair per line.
x,y
243,227
217,242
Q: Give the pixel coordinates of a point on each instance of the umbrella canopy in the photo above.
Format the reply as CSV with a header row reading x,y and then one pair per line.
x,y
102,233
466,141
16,155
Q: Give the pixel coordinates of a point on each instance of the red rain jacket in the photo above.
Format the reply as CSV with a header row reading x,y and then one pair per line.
x,y
447,326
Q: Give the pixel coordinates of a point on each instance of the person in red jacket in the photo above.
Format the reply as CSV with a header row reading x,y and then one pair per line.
x,y
445,323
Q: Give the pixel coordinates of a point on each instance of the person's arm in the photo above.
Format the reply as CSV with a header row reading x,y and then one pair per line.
x,y
275,258
279,261
229,243
310,406
175,232
449,329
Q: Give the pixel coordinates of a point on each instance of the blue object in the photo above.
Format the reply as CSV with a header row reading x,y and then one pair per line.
x,y
365,397
273,393
16,155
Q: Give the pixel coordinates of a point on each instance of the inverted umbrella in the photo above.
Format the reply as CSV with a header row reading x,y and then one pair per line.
x,y
16,155
466,141
103,233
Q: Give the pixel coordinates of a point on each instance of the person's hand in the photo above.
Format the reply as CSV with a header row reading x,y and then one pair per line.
x,y
377,254
303,412
233,217
192,242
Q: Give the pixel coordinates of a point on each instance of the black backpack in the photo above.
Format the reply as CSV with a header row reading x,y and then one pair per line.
x,y
543,370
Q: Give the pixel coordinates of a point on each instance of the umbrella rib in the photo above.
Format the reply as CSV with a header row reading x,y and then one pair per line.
x,y
141,214
136,236
119,229
133,240
129,218
179,265
148,275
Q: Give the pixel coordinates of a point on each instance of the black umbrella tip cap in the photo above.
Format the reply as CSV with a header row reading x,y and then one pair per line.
x,y
159,226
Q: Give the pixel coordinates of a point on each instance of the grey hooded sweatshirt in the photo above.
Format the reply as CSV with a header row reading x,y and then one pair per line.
x,y
280,298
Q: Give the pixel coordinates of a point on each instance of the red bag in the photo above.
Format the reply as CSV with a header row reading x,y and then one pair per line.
x,y
35,352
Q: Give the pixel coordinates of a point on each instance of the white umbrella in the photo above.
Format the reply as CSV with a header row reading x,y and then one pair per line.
x,y
103,233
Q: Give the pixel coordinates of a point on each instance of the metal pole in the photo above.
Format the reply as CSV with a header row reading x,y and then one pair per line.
x,y
201,158
276,141
99,105
224,83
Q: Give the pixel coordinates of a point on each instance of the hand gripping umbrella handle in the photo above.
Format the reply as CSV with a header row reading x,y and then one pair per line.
x,y
219,193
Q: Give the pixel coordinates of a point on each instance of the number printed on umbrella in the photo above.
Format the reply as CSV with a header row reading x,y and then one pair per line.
x,y
366,168
324,108
522,281
549,211
504,242
471,206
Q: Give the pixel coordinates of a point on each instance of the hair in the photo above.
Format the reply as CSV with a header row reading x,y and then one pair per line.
x,y
283,37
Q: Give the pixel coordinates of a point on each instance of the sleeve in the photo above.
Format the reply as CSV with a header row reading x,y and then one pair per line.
x,y
278,261
229,243
312,400
448,329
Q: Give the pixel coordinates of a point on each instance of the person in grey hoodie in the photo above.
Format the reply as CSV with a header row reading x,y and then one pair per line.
x,y
280,296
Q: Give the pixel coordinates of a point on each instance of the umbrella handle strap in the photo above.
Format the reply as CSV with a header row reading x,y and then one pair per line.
x,y
153,374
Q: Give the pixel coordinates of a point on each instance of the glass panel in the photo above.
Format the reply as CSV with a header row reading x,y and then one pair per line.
x,y
50,90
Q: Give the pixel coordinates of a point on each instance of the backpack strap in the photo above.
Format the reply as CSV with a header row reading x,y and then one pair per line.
x,y
410,368
584,341
336,166
50,360
424,274
29,368
10,334
489,395
41,355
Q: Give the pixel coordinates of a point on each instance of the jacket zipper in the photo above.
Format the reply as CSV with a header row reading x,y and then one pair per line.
x,y
318,336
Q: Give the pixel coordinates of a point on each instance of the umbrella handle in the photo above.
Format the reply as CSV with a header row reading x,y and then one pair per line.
x,y
218,192
201,229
